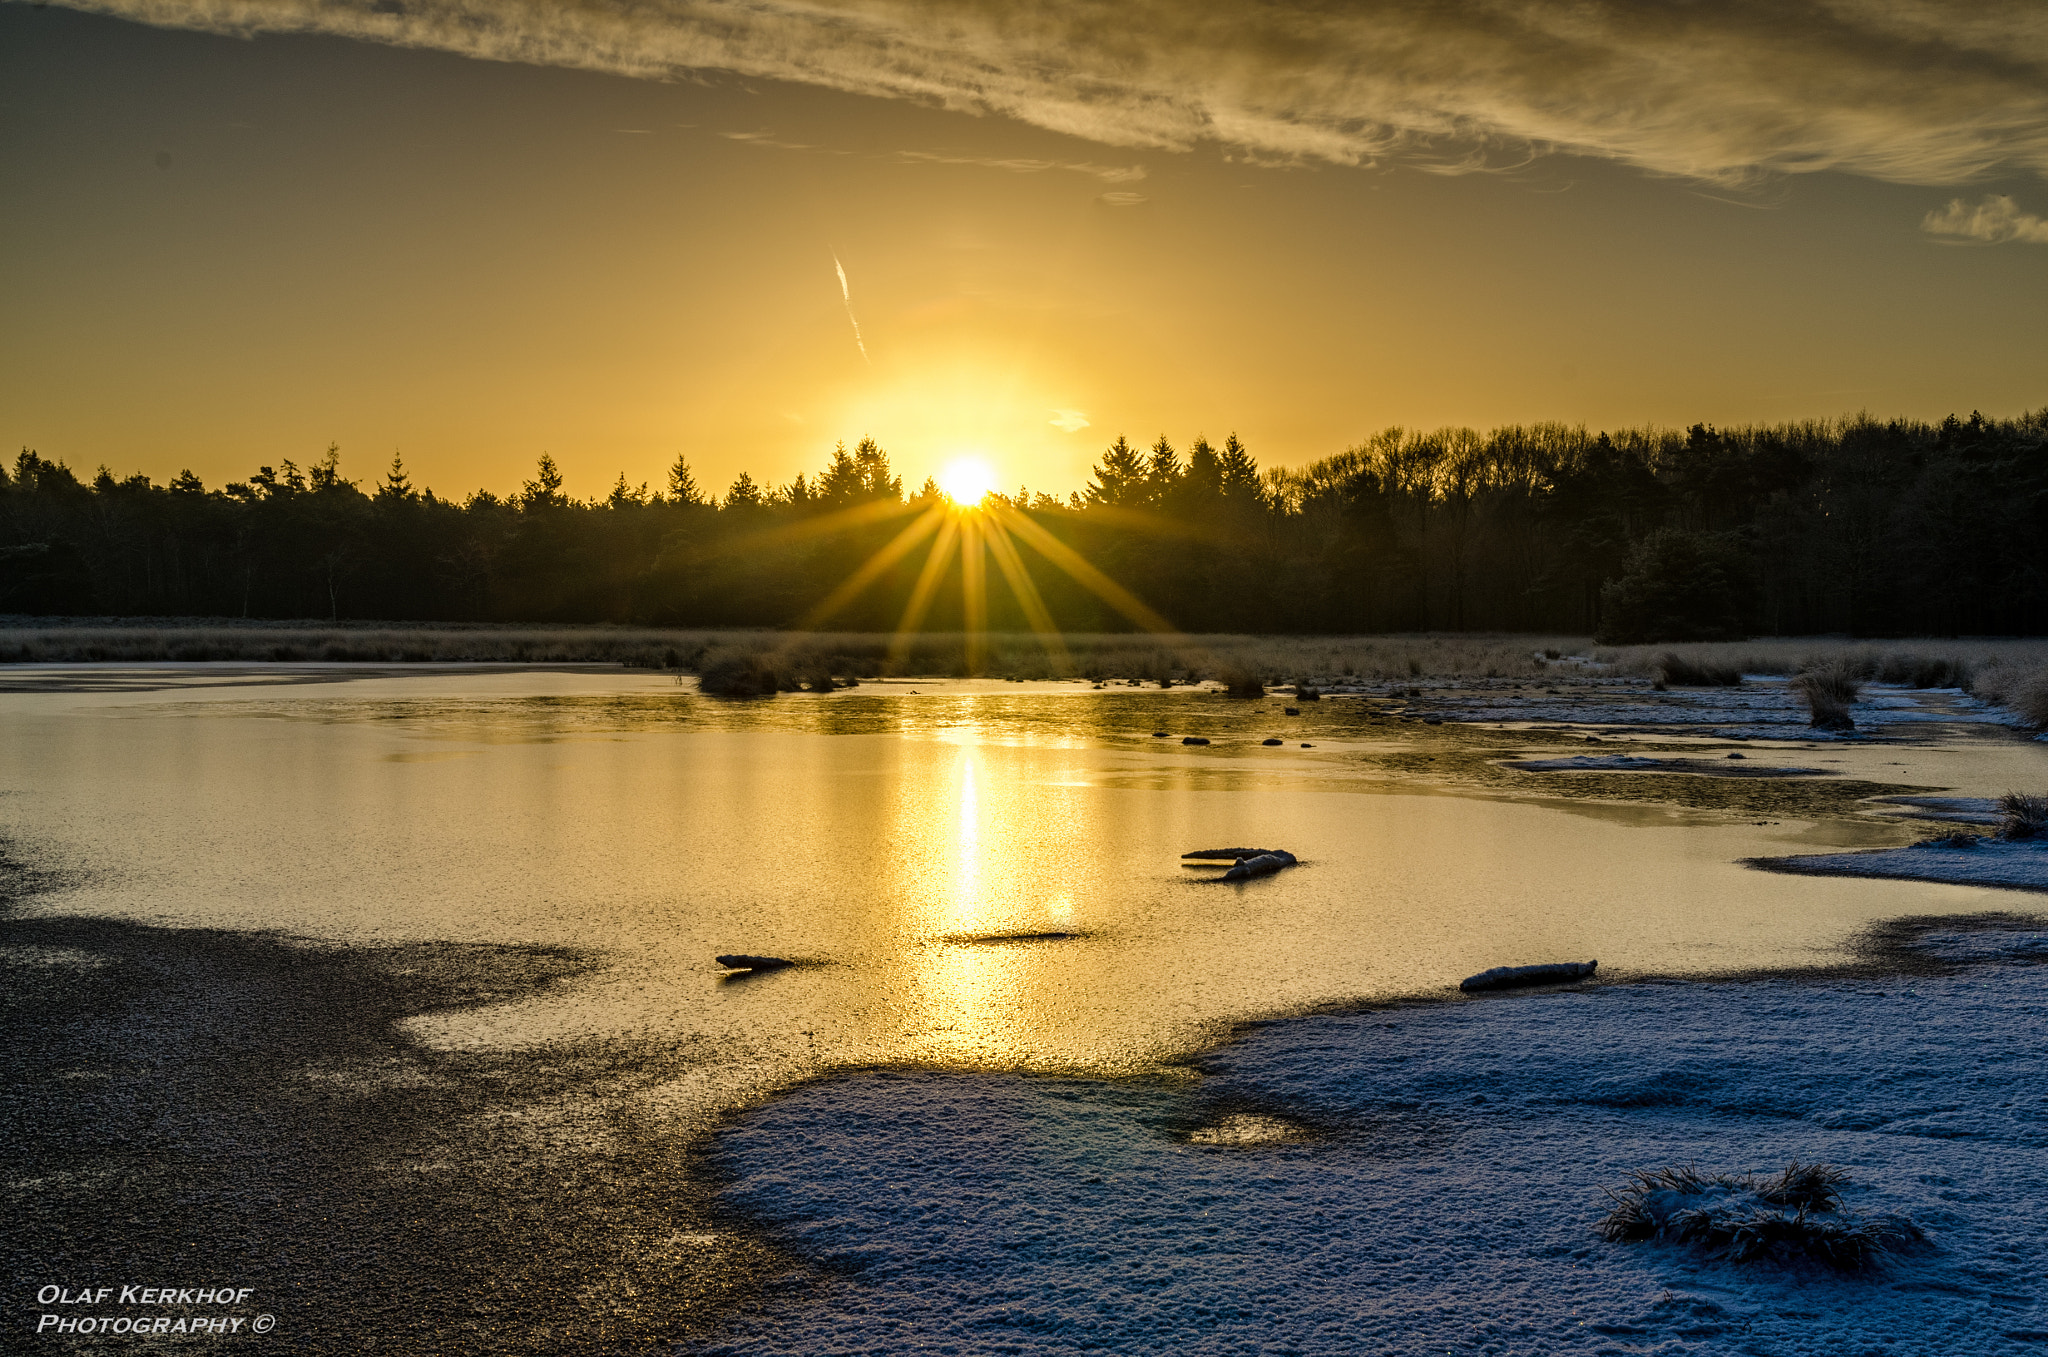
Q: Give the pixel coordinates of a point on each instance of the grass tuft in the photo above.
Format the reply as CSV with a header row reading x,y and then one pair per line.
x,y
1239,681
2021,816
744,673
1697,672
1790,1217
1829,686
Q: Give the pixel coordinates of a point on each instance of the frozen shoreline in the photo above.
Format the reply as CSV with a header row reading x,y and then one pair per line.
x,y
1427,1178
1983,862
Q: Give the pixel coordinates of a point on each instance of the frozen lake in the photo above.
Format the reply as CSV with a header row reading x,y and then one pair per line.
x,y
914,843
885,833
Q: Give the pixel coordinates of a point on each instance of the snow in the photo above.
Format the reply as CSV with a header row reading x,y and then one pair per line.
x,y
1983,862
1629,763
1761,709
1965,810
1427,1178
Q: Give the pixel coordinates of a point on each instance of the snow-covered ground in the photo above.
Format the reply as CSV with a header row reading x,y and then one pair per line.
x,y
1972,862
1427,1178
1732,765
1763,708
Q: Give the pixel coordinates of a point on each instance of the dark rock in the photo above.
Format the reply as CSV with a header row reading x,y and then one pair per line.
x,y
1269,742
1194,739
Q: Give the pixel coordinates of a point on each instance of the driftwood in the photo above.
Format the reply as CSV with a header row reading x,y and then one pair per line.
x,y
740,961
1232,853
1513,977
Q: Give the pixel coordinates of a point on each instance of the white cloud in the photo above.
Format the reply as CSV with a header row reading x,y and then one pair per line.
x,y
1121,199
1919,91
1998,218
1068,421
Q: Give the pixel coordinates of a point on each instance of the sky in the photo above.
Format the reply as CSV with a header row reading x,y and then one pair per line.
x,y
472,231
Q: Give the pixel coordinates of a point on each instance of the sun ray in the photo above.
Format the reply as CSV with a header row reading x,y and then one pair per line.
x,y
896,550
973,589
1026,593
839,520
922,592
1084,574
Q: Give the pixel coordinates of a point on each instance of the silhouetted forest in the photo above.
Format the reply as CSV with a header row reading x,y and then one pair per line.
x,y
1859,526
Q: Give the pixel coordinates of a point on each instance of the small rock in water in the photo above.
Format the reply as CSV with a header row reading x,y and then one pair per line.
x,y
740,961
1306,745
1738,756
1161,735
1194,739
1269,742
1432,720
1513,977
1294,711
1233,854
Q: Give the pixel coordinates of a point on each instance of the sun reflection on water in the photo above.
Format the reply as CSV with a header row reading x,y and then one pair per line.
x,y
999,894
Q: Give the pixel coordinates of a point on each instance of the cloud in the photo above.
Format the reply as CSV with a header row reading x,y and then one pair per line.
x,y
1108,174
1121,199
1068,421
1996,219
1916,91
846,295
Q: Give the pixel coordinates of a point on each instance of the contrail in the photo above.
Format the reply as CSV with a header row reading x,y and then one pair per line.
x,y
847,297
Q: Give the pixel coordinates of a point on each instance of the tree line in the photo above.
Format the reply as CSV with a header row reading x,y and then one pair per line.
x,y
1860,526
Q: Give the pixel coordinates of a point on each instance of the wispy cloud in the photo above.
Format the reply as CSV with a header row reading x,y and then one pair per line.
x,y
1121,199
1998,218
1068,421
1918,91
846,295
1108,174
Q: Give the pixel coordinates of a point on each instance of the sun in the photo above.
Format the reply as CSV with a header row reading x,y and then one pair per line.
x,y
966,479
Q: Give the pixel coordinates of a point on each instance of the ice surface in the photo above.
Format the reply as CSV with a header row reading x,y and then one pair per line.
x,y
1439,1183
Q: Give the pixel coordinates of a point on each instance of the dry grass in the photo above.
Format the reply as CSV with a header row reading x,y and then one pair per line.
x,y
2021,816
1914,662
2011,672
1689,672
2018,684
1162,659
1829,687
1793,1216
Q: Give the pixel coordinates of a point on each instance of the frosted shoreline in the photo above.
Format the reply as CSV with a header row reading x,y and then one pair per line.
x,y
1985,862
1427,1177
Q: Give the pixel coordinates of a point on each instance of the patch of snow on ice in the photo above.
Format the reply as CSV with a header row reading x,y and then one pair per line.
x,y
1980,862
1449,1200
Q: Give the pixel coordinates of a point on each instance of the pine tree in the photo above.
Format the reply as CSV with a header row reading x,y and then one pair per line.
x,y
1240,473
682,486
544,491
396,487
744,494
1119,477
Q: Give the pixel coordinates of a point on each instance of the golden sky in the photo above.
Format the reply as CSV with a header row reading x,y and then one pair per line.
x,y
471,232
